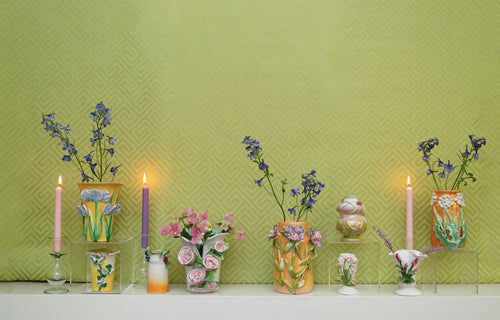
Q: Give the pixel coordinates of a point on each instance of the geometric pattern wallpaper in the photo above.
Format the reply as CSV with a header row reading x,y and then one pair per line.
x,y
347,88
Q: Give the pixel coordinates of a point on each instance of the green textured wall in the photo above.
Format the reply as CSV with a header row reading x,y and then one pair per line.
x,y
345,87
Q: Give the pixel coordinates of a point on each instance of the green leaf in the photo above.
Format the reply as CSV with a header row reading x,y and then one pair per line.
x,y
309,247
289,288
218,255
288,247
209,277
301,283
278,282
298,249
278,267
302,271
288,265
305,261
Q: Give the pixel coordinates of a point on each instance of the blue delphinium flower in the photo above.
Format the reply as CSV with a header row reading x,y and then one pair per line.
x,y
258,182
88,157
448,168
292,211
111,151
442,175
114,170
263,166
294,192
466,153
92,167
92,141
430,171
66,158
111,140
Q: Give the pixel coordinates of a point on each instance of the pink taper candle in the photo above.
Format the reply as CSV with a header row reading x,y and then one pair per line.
x,y
145,214
409,216
57,217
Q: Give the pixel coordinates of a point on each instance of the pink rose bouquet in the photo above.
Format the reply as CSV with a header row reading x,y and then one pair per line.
x,y
186,256
210,262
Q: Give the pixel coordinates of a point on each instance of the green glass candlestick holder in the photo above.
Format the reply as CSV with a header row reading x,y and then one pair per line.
x,y
56,276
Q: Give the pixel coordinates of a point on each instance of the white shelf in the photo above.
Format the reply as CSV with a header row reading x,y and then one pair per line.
x,y
25,300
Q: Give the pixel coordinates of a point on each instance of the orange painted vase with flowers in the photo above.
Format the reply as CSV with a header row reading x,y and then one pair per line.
x,y
448,223
294,251
295,245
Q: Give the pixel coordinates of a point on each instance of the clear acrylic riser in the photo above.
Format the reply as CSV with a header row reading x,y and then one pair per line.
x,y
80,265
368,254
451,266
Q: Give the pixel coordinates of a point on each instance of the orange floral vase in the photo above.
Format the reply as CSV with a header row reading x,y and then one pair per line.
x,y
295,246
448,224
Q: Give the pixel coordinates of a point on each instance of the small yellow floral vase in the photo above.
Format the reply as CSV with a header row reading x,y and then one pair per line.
x,y
102,263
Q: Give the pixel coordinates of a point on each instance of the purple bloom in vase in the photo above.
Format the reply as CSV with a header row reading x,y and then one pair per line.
x,y
466,153
274,233
263,166
294,233
258,182
294,192
292,211
430,171
442,175
66,158
315,237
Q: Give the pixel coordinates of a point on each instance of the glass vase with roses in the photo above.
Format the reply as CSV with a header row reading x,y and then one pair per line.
x,y
294,243
203,246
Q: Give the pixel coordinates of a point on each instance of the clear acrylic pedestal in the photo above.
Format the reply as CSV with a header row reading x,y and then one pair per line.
x,y
80,265
451,266
368,254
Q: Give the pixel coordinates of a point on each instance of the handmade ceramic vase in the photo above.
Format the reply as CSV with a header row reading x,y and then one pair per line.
x,y
347,264
157,273
202,268
352,221
408,259
102,269
98,208
293,254
448,223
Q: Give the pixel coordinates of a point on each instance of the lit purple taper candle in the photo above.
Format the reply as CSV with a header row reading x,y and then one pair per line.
x,y
145,213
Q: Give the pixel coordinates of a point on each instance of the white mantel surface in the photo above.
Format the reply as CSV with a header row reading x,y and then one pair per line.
x,y
25,300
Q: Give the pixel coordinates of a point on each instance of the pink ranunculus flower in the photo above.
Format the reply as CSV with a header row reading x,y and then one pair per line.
x,y
211,285
210,262
220,246
196,277
274,233
196,235
186,256
315,237
240,235
228,219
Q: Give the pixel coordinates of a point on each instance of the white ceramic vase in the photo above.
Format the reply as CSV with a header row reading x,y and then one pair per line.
x,y
157,274
207,286
347,264
408,258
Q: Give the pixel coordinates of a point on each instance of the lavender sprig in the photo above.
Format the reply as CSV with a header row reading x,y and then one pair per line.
x,y
433,249
388,244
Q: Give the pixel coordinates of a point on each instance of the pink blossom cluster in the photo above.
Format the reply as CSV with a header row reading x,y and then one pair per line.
x,y
197,225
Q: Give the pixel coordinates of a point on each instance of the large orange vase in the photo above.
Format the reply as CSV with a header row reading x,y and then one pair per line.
x,y
293,269
448,223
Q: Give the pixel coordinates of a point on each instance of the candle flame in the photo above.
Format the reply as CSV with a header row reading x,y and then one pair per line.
x,y
408,180
144,178
60,180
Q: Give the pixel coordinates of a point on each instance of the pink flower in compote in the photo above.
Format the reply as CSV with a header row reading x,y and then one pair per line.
x,y
227,222
205,226
220,246
186,256
415,271
315,237
196,235
174,230
203,215
210,262
406,266
164,230
240,235
196,277
274,233
414,262
398,257
211,285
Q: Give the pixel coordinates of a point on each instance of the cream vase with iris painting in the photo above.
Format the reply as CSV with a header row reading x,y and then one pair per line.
x,y
97,198
295,244
449,230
